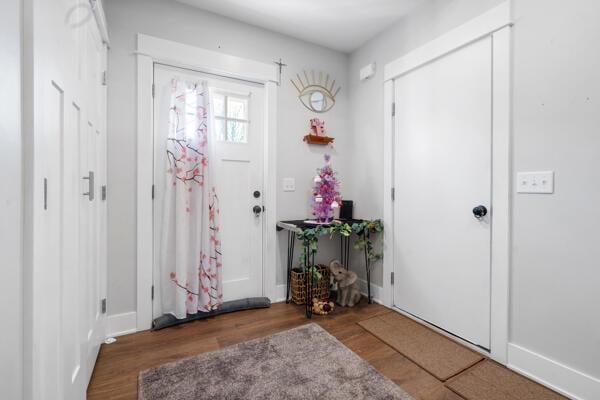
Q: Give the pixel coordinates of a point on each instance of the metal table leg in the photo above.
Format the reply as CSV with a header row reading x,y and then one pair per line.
x,y
345,251
308,281
290,262
368,270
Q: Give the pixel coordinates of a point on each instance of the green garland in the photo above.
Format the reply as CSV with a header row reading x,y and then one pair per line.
x,y
310,240
363,230
310,244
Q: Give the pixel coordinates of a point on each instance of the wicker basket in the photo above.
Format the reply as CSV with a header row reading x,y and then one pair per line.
x,y
320,288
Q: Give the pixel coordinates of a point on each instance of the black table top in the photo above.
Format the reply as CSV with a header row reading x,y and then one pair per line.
x,y
300,224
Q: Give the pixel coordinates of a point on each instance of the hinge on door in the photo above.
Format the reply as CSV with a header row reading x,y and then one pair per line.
x,y
393,109
392,278
152,293
104,78
153,90
103,306
152,192
393,194
103,192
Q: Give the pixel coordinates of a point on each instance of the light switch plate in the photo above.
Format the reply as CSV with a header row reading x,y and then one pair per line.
x,y
289,184
535,182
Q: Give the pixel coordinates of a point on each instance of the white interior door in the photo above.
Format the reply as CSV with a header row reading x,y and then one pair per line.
x,y
68,109
94,213
237,120
443,142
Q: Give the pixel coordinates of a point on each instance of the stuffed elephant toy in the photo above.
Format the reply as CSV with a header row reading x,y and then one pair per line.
x,y
348,293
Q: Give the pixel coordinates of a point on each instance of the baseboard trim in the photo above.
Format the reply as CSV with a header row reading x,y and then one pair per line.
x,y
559,377
121,324
376,291
279,294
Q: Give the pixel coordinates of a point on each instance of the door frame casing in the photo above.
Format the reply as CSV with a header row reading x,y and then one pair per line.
x,y
495,23
152,50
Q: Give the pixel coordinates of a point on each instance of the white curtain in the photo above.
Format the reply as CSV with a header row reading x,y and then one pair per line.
x,y
190,252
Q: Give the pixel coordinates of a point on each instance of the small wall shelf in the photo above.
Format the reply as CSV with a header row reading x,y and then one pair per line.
x,y
314,139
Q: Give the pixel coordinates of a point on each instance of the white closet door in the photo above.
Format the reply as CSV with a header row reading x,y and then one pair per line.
x,y
65,320
442,172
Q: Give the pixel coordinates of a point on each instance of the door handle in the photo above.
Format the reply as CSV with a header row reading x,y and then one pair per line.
x,y
257,210
479,212
90,179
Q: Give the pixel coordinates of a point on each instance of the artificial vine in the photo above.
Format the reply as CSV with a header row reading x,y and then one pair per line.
x,y
310,240
310,244
363,230
342,228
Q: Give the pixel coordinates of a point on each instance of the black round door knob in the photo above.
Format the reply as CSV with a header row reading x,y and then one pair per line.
x,y
257,210
480,212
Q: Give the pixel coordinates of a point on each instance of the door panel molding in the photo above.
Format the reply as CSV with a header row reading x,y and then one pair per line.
x,y
496,24
152,50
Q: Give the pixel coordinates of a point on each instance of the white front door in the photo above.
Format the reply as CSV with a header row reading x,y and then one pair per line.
x,y
443,142
237,119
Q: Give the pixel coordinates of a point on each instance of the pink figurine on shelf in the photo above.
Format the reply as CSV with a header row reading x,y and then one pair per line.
x,y
317,133
317,127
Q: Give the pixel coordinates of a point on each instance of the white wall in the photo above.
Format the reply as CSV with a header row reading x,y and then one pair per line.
x,y
555,290
425,23
178,22
11,283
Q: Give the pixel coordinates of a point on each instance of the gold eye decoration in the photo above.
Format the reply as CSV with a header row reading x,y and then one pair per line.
x,y
315,91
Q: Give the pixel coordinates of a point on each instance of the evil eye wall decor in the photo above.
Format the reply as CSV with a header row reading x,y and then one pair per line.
x,y
316,91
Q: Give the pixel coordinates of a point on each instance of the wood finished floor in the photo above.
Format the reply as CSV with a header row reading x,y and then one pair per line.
x,y
118,365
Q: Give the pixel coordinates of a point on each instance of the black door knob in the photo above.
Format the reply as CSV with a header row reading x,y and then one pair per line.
x,y
257,210
480,212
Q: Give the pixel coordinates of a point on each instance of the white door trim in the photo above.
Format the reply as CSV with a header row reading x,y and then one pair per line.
x,y
150,50
482,26
495,23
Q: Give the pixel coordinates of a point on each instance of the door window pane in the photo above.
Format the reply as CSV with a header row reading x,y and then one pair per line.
x,y
237,108
237,131
219,105
230,116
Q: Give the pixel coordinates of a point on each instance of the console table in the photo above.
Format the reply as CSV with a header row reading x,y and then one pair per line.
x,y
295,227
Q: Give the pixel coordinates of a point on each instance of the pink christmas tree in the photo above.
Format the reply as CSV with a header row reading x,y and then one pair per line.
x,y
326,196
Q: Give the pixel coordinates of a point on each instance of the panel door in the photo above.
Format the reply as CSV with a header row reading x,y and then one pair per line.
x,y
442,172
68,274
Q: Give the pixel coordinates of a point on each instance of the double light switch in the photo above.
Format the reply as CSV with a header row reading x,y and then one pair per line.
x,y
535,182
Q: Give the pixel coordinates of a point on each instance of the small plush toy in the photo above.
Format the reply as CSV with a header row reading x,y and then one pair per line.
x,y
348,293
322,307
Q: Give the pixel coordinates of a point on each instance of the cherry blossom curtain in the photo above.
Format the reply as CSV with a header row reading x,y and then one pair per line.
x,y
190,252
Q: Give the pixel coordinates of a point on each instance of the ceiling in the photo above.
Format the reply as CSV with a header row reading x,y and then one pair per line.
x,y
342,25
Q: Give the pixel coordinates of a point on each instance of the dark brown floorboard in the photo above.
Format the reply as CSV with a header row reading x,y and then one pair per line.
x,y
116,372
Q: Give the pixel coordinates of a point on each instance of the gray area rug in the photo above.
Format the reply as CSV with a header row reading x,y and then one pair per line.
x,y
301,363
